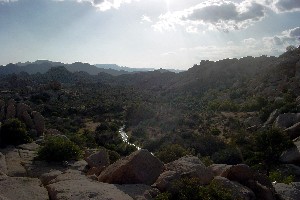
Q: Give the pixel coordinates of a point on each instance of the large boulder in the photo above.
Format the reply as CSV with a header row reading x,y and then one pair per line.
x,y
22,188
292,155
258,183
14,162
272,117
218,169
23,111
286,120
99,159
288,192
191,166
185,167
293,131
76,186
140,167
39,122
237,190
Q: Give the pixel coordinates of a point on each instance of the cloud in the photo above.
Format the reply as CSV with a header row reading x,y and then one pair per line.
x,y
287,5
146,18
216,14
104,5
273,45
286,38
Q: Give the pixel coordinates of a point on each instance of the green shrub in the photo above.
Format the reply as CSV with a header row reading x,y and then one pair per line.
x,y
230,156
171,152
191,189
277,176
59,148
13,132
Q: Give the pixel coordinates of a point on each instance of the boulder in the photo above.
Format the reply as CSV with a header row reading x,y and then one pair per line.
x,y
261,191
23,111
293,131
240,173
47,177
95,171
11,109
3,166
22,188
138,191
292,155
288,192
191,166
14,163
272,117
80,165
253,121
39,122
237,190
218,169
75,186
140,167
98,159
29,146
286,120
164,181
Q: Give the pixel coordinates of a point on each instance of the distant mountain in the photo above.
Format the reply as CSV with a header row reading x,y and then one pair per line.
x,y
42,66
129,69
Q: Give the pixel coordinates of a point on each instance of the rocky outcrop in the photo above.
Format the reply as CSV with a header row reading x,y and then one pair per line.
x,y
188,166
138,191
258,183
288,192
237,190
23,111
293,131
286,120
191,166
141,167
39,122
98,160
76,186
218,169
22,188
292,155
272,117
13,162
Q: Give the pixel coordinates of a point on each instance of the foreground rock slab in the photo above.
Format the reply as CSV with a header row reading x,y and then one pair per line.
x,y
76,186
288,192
141,167
24,188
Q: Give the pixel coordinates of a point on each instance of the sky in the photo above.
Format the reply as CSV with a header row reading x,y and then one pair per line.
x,y
145,33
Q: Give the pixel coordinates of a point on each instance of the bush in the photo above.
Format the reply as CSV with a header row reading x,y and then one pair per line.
x,y
277,176
13,132
191,189
59,148
230,156
171,152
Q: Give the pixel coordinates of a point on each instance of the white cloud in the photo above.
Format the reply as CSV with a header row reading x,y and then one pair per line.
x,y
273,45
146,18
216,14
104,5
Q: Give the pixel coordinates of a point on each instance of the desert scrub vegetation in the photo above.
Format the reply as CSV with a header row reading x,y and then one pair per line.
x,y
13,132
59,148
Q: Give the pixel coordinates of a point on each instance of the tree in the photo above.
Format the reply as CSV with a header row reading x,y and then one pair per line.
x,y
268,146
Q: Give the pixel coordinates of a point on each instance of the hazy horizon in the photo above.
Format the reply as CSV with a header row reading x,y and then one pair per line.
x,y
166,34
